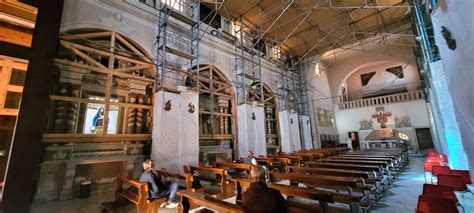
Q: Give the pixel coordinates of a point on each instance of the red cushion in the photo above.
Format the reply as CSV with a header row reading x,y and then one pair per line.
x,y
465,176
439,191
440,170
454,181
429,165
428,204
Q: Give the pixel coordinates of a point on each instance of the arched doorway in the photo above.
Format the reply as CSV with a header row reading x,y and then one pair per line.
x,y
261,93
217,126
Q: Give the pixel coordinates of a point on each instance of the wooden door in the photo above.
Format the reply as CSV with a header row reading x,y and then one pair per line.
x,y
424,138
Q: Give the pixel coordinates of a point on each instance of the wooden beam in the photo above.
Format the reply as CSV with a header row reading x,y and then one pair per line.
x,y
93,138
141,67
100,70
86,35
15,35
9,112
81,54
25,154
84,100
131,47
15,88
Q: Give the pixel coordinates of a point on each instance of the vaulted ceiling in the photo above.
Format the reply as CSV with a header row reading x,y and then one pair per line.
x,y
310,27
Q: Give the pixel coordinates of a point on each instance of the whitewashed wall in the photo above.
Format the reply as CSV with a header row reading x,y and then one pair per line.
x,y
348,120
138,23
382,79
320,95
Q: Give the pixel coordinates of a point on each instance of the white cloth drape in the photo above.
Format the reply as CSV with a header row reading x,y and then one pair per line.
x,y
175,132
251,133
306,132
458,18
289,132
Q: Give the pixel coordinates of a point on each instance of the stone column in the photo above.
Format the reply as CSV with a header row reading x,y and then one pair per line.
x,y
222,104
131,115
60,112
67,191
73,110
139,120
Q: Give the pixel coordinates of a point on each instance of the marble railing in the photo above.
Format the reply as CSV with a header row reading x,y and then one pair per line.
x,y
388,99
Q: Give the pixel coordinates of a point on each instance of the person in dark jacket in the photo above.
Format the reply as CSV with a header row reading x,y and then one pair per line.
x,y
259,198
156,187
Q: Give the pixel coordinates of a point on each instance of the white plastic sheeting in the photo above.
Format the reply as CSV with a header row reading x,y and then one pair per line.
x,y
306,132
458,18
189,132
175,132
448,131
289,132
251,132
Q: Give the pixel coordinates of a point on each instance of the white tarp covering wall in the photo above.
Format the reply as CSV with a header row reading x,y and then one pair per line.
x,y
251,133
175,131
458,18
306,132
289,132
448,131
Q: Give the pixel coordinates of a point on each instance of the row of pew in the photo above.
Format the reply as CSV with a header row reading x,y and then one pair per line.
x,y
323,179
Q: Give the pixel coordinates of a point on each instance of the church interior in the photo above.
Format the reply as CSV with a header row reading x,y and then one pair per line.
x,y
192,105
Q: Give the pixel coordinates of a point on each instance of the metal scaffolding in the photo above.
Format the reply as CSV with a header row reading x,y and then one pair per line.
x,y
247,63
178,36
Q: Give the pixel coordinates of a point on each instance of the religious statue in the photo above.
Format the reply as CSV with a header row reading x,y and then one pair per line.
x,y
381,116
97,121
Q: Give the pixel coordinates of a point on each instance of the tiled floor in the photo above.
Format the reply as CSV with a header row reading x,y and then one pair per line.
x,y
401,197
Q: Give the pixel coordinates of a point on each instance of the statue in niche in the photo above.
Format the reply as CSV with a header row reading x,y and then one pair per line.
x,y
97,121
366,124
401,122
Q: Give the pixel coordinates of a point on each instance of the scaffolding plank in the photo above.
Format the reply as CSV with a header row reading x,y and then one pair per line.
x,y
179,16
178,53
247,76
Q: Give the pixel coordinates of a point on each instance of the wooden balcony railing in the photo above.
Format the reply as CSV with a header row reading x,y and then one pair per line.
x,y
388,99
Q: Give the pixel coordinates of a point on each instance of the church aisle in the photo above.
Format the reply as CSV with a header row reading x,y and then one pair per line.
x,y
403,195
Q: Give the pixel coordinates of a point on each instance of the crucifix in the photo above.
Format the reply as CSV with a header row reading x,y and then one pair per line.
x,y
381,116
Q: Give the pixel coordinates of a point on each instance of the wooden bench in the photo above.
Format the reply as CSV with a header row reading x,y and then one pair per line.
x,y
341,187
362,162
347,166
136,194
322,197
329,171
237,167
187,178
210,175
198,199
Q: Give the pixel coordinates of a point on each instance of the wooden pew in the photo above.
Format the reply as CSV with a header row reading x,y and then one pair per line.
x,y
136,194
329,171
322,197
187,178
198,199
211,175
361,162
238,167
347,166
335,184
373,181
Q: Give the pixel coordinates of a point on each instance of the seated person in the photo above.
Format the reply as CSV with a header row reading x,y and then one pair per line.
x,y
250,159
156,187
260,198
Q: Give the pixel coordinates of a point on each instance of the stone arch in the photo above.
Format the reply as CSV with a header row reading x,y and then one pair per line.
x,y
270,104
217,112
